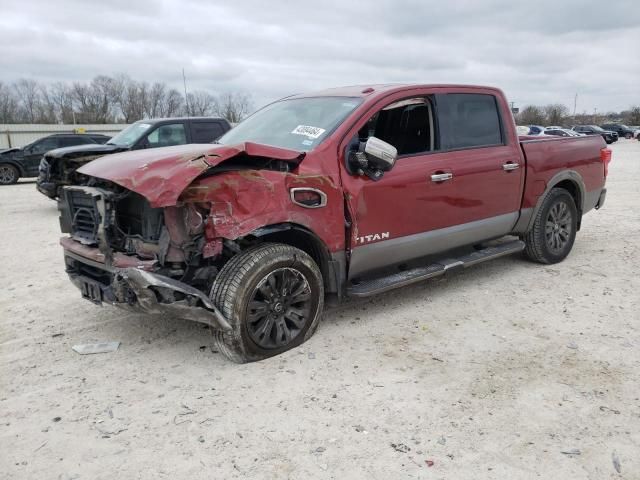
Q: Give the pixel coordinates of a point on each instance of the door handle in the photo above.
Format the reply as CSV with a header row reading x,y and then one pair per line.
x,y
441,177
507,167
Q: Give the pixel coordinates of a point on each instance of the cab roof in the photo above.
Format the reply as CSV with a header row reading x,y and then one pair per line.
x,y
379,89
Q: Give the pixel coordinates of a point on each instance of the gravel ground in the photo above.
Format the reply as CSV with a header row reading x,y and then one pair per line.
x,y
508,370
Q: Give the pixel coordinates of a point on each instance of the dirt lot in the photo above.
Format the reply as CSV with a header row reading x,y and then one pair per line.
x,y
493,373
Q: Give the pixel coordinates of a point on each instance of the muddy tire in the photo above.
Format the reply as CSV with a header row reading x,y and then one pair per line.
x,y
554,229
273,296
8,174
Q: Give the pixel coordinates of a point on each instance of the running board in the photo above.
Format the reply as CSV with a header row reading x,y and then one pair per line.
x,y
407,277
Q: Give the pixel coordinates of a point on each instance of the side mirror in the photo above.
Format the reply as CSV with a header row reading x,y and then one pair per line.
x,y
373,158
380,154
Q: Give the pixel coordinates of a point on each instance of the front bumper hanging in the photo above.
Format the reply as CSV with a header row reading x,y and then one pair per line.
x,y
137,290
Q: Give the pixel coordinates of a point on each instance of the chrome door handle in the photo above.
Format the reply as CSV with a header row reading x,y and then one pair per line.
x,y
507,167
441,177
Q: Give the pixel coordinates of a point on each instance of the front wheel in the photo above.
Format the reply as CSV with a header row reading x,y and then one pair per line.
x,y
628,136
272,295
554,229
8,174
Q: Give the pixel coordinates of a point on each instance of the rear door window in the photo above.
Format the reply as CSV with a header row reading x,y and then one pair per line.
x,y
167,135
468,120
71,141
205,132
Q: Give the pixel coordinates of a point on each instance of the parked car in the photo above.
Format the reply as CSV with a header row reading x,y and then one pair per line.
x,y
58,167
608,135
349,192
23,162
562,132
536,130
619,128
522,130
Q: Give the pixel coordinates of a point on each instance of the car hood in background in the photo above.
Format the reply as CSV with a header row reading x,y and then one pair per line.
x,y
8,151
161,174
86,150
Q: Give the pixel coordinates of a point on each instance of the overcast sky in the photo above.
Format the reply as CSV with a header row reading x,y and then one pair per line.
x,y
537,51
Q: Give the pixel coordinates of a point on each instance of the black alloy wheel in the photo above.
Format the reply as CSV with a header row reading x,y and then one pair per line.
x,y
272,295
553,232
558,227
279,308
8,174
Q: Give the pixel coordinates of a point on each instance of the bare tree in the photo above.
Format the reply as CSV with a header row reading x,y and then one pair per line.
x,y
61,96
632,116
8,105
172,104
128,99
107,99
155,100
29,99
200,103
234,106
556,114
47,110
531,115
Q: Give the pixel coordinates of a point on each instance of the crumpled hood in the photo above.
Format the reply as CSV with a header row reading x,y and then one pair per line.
x,y
161,174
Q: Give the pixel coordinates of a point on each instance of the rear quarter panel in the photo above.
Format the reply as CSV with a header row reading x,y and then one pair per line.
x,y
547,157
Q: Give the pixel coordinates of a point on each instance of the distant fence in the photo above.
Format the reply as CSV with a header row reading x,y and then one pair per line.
x,y
19,135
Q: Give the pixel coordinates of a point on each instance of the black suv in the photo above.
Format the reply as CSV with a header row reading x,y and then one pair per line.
x,y
58,167
608,135
619,128
24,162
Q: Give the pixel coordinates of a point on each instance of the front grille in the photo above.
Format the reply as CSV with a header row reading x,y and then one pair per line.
x,y
85,217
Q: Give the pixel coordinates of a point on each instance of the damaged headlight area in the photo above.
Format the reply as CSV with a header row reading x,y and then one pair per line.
x,y
124,252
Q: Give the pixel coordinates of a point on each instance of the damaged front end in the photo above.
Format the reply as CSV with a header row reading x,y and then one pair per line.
x,y
123,252
151,230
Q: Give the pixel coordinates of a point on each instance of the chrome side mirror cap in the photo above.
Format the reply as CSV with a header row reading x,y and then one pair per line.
x,y
380,154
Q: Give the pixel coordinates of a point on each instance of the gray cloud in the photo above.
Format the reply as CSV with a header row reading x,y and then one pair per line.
x,y
538,52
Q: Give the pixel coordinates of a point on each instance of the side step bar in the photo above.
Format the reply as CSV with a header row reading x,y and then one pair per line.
x,y
407,277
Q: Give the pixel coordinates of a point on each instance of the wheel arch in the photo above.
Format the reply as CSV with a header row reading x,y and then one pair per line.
x,y
569,180
331,264
13,163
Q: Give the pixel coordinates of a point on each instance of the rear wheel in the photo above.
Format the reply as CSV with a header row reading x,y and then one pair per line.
x,y
554,229
272,295
8,174
628,136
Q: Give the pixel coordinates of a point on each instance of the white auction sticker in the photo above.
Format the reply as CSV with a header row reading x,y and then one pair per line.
x,y
311,132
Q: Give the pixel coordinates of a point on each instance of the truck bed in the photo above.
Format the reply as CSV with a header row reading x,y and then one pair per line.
x,y
548,157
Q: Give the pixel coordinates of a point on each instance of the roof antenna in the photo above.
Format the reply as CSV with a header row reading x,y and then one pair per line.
x,y
186,99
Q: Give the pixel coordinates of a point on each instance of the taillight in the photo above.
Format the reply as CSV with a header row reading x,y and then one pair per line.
x,y
605,157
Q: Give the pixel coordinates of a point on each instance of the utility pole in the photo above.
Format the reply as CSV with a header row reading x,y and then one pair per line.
x,y
575,104
186,99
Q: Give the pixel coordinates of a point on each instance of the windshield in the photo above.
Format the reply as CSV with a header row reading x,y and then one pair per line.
x,y
299,124
130,135
597,128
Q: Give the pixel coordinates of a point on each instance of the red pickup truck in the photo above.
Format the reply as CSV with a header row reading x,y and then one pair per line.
x,y
348,192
